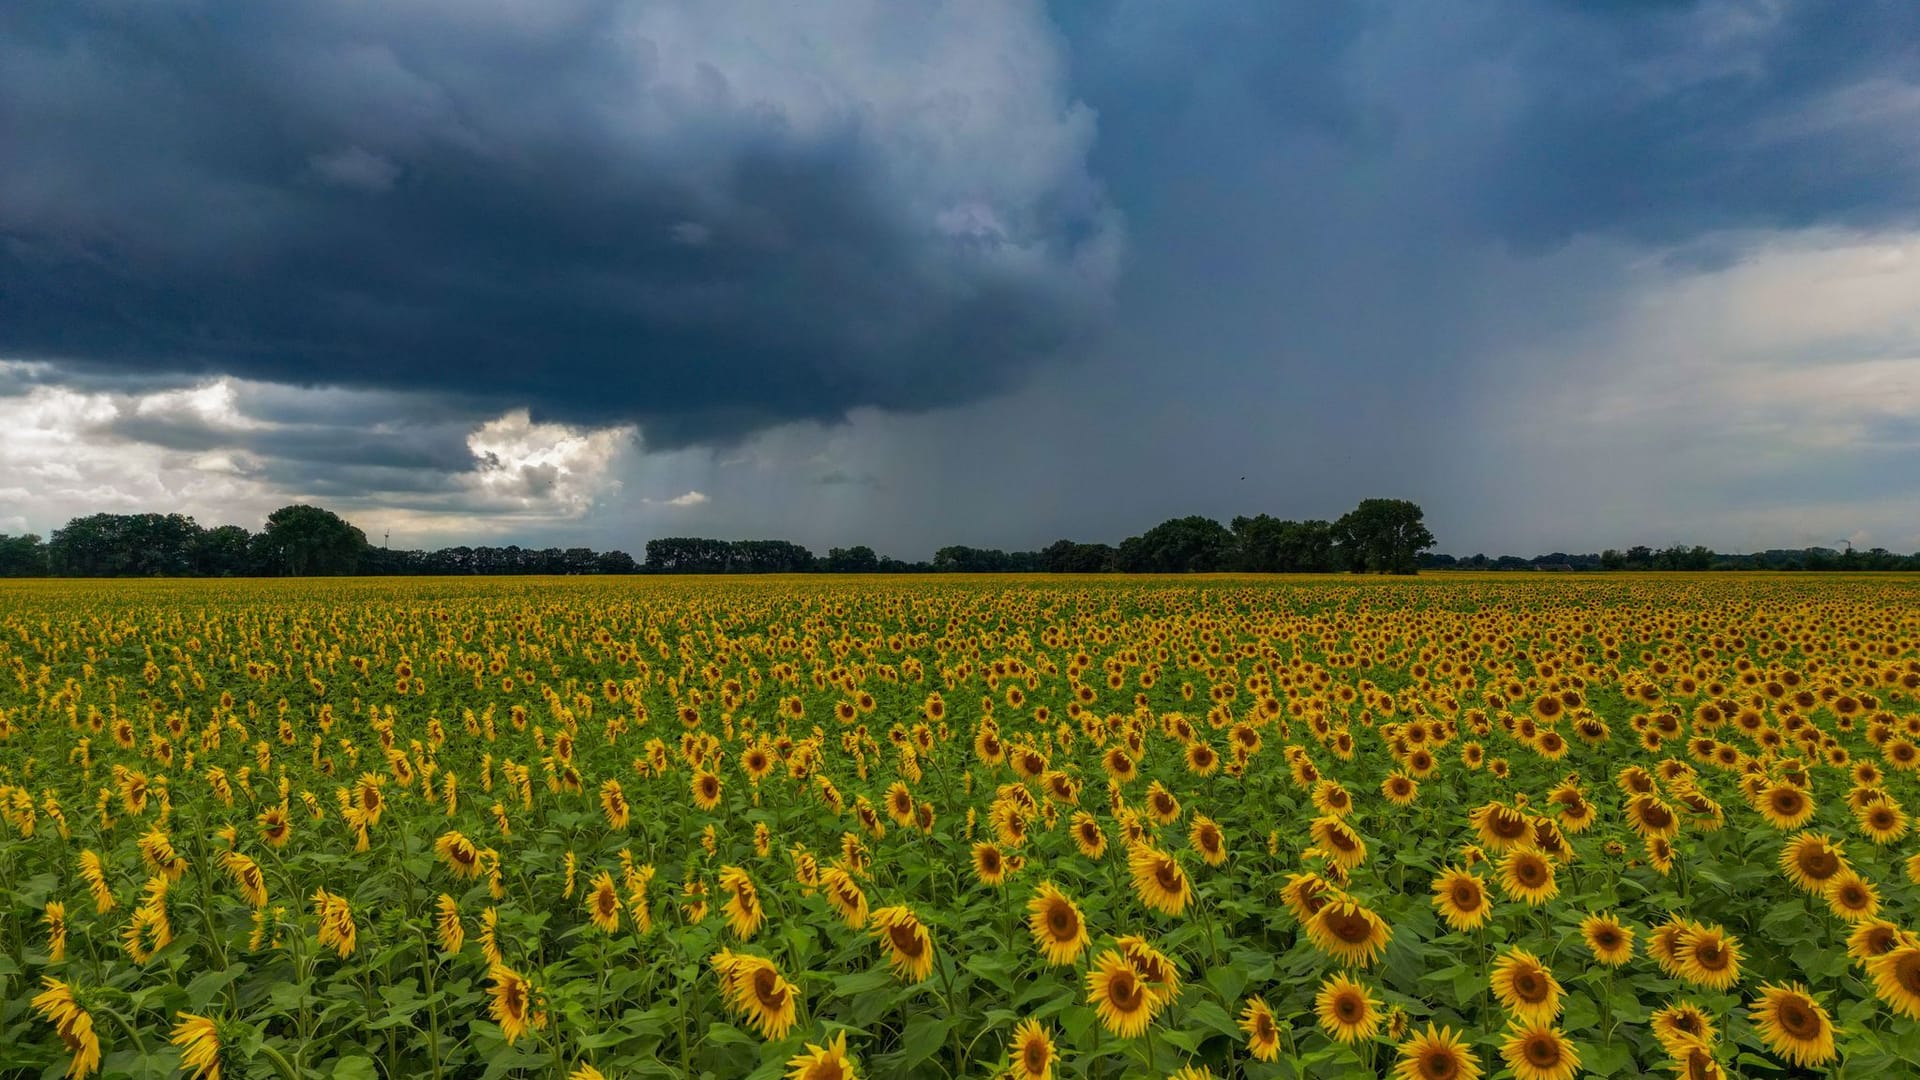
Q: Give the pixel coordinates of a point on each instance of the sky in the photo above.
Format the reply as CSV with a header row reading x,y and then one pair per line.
x,y
1568,274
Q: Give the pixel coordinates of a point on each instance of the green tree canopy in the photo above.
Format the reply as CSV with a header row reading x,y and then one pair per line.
x,y
306,541
1384,536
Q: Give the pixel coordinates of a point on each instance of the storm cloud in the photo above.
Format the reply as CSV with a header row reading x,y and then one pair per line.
x,y
707,218
1571,274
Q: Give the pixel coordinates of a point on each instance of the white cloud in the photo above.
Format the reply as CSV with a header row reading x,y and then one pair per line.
x,y
549,469
1766,401
198,450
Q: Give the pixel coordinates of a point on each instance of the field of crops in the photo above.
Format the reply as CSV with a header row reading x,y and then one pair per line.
x,y
827,828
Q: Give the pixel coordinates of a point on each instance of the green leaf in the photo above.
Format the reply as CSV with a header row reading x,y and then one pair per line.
x,y
1210,1015
208,986
356,1067
923,1037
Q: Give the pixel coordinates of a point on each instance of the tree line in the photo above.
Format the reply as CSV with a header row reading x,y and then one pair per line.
x,y
1684,557
1379,535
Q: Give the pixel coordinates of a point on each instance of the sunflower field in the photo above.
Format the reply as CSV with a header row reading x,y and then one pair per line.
x,y
829,828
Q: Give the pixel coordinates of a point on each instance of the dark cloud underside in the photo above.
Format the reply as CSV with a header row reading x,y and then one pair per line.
x,y
302,194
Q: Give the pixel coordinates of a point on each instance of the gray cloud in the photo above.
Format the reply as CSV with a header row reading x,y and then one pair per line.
x,y
707,218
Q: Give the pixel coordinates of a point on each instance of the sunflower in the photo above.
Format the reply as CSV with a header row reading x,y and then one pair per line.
x,y
1400,789
1158,880
161,858
199,1041
1793,1024
989,865
1883,822
447,925
1437,1054
899,801
1663,944
1810,860
753,987
1159,971
1500,826
1161,805
510,1001
1709,957
829,1062
1650,817
1347,1010
706,787
603,903
275,826
336,922
845,896
1785,806
1349,932
1680,1024
1124,1002
1896,979
459,853
1305,894
1851,897
1525,987
73,1023
613,804
1339,841
1609,941
54,915
1031,1052
1527,875
1058,930
1694,1061
909,943
1263,1032
1462,899
1208,840
1087,835
94,873
743,910
1539,1052
1871,938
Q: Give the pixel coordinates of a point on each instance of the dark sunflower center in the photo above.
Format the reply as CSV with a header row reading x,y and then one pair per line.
x,y
768,991
1542,1051
905,941
1797,1020
1061,923
1439,1064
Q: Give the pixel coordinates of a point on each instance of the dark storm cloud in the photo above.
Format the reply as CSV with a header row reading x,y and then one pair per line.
x,y
560,205
1665,121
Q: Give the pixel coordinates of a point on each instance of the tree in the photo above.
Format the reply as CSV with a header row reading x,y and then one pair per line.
x,y
1188,545
1067,557
124,545
223,551
853,560
1384,536
22,556
306,541
1612,559
688,555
